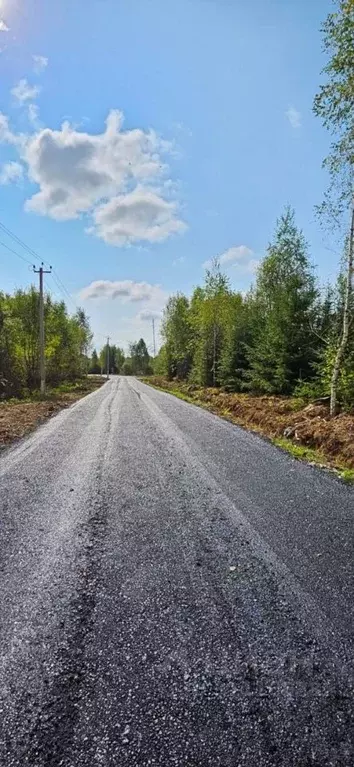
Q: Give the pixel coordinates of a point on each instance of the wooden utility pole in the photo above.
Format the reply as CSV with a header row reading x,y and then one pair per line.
x,y
41,271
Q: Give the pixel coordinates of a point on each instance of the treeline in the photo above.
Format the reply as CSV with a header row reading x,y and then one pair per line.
x,y
68,338
281,337
112,358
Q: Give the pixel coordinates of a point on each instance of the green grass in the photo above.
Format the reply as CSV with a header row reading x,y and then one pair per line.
x,y
301,452
309,454
347,475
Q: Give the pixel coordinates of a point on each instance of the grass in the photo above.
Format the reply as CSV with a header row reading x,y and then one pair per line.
x,y
301,452
310,455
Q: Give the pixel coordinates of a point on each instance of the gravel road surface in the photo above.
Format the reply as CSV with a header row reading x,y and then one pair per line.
x,y
173,591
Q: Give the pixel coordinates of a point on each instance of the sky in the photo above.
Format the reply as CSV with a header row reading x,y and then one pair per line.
x,y
141,138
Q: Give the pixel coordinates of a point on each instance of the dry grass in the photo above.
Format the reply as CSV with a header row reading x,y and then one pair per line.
x,y
18,418
326,440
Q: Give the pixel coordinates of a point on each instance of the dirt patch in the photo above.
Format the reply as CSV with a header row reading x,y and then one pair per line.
x,y
278,417
18,418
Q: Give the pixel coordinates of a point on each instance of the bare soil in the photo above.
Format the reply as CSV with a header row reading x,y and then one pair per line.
x,y
19,417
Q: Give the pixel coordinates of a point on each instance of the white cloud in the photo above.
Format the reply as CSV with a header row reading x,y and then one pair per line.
x,y
6,134
23,91
140,215
39,64
128,290
3,26
11,171
33,115
294,117
239,256
116,177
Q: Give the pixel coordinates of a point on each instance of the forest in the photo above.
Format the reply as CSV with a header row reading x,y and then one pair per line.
x,y
68,339
281,337
287,335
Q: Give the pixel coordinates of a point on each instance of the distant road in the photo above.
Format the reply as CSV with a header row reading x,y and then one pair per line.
x,y
173,591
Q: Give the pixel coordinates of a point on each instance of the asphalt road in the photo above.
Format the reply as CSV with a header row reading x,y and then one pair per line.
x,y
173,591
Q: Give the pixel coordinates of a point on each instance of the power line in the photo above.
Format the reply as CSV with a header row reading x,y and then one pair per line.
x,y
62,289
16,254
35,255
20,242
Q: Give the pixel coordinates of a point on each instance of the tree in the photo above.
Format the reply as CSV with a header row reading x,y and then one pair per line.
x,y
67,339
233,357
177,332
210,315
127,367
334,104
281,309
140,359
95,366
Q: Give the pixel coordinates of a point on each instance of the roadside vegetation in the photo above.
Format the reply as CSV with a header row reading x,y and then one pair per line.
x,y
280,338
137,363
19,417
304,430
280,358
68,338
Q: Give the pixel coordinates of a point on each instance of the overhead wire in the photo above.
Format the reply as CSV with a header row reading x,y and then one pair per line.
x,y
16,254
20,242
59,283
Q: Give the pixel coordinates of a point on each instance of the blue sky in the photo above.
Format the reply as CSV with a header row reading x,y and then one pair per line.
x,y
217,137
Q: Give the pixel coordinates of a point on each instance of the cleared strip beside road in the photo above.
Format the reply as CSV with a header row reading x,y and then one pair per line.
x,y
173,591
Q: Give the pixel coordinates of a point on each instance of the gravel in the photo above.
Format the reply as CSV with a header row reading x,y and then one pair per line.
x,y
173,591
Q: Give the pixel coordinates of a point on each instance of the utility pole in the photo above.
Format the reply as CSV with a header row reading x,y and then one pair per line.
x,y
108,339
41,271
153,335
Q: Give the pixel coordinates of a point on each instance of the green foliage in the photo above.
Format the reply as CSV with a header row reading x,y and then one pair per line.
x,y
139,359
112,354
177,333
67,340
94,364
212,310
279,338
127,367
159,363
334,104
281,313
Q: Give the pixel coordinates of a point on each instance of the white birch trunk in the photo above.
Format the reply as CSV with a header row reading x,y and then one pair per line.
x,y
346,320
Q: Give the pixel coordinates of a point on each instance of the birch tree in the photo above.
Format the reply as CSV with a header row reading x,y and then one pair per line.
x,y
334,104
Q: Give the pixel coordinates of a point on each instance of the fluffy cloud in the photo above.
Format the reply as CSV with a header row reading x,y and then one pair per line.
x,y
23,91
3,26
239,256
128,290
294,117
117,177
141,215
11,171
39,64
